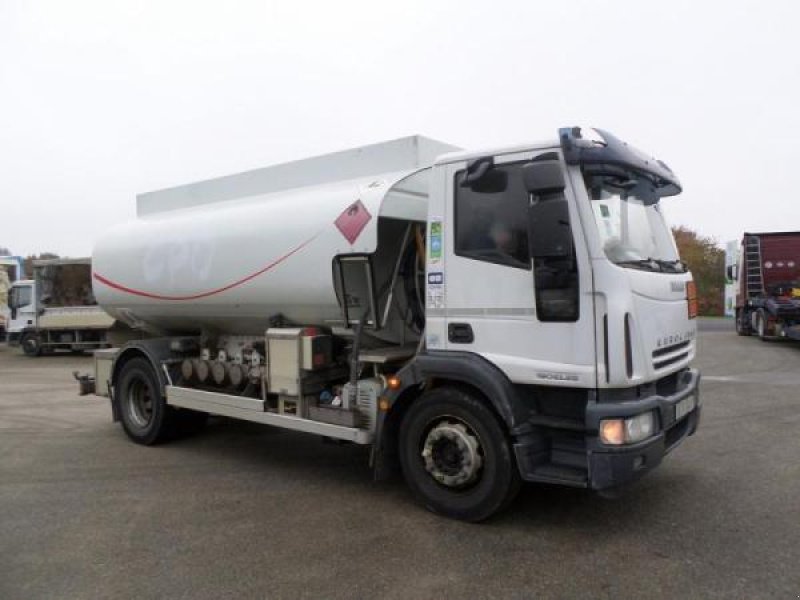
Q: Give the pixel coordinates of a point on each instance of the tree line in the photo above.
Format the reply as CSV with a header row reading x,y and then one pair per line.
x,y
706,261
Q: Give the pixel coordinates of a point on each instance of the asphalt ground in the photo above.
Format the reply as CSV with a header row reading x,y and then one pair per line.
x,y
246,511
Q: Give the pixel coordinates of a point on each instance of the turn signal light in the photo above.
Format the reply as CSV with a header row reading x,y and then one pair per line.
x,y
691,298
393,382
612,432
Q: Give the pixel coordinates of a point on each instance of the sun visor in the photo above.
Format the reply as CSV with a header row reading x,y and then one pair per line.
x,y
585,146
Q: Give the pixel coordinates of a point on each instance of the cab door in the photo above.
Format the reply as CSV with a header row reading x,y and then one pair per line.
x,y
22,306
499,301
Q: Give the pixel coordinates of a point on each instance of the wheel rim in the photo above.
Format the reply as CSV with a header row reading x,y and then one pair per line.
x,y
452,454
761,327
31,345
140,404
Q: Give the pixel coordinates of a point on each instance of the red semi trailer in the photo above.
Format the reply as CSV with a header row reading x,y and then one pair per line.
x,y
767,275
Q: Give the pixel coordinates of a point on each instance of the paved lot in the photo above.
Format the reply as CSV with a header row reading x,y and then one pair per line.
x,y
246,511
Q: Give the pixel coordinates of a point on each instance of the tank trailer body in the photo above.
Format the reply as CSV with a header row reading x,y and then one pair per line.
x,y
477,318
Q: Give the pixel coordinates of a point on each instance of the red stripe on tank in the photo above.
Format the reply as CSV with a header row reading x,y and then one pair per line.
x,y
274,263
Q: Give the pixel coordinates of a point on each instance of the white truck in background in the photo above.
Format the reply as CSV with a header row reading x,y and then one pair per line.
x,y
56,309
477,318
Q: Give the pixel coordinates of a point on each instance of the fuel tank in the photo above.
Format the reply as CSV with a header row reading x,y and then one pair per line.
x,y
230,255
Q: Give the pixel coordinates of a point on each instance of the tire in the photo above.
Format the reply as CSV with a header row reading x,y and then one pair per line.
x,y
440,435
761,325
145,416
31,344
742,327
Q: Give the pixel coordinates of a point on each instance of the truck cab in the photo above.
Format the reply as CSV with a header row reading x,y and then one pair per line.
x,y
557,268
22,309
11,270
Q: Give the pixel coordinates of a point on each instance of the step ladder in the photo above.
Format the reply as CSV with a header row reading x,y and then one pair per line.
x,y
754,277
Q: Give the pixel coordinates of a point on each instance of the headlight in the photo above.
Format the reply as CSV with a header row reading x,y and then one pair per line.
x,y
616,432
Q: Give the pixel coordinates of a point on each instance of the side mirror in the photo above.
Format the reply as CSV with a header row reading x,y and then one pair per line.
x,y
543,178
477,168
482,177
549,227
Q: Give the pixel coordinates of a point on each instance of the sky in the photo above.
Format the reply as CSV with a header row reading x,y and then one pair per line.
x,y
102,100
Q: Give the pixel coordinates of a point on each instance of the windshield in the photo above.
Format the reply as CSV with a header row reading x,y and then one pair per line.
x,y
632,230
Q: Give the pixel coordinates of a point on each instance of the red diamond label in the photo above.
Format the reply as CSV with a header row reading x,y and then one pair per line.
x,y
353,220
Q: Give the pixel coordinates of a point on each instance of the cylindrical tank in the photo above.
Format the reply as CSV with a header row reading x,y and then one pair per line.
x,y
233,265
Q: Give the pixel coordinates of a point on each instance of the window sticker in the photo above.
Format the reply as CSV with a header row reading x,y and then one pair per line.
x,y
435,294
436,241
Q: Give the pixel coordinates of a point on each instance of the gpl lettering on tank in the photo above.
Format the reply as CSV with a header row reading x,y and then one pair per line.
x,y
179,259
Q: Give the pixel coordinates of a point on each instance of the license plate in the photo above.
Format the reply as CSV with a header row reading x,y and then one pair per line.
x,y
684,407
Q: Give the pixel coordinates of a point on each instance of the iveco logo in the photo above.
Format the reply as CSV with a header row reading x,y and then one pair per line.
x,y
669,340
677,286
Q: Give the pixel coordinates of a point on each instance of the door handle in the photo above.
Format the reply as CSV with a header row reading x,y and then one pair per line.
x,y
460,333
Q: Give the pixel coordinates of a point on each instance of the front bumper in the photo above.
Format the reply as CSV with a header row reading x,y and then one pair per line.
x,y
575,456
613,466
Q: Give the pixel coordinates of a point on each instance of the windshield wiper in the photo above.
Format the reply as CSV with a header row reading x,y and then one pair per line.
x,y
656,264
677,265
648,264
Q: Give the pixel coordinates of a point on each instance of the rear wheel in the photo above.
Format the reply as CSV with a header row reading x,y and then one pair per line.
x,y
762,325
146,418
742,323
455,456
31,344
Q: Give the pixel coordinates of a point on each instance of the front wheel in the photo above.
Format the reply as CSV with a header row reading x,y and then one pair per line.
x,y
31,344
456,457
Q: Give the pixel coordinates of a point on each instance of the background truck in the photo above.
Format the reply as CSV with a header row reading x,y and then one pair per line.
x,y
767,278
56,310
475,318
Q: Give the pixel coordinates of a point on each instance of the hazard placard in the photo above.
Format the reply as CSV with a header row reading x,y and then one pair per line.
x,y
353,220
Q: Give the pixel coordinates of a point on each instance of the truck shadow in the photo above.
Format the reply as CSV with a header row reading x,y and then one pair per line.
x,y
309,460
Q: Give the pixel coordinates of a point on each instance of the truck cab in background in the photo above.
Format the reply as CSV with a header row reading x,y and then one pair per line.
x,y
476,318
11,270
22,309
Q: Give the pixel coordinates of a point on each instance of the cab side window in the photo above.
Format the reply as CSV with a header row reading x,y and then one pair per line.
x,y
21,296
491,220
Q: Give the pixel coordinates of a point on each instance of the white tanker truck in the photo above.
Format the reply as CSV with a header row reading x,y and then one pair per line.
x,y
477,318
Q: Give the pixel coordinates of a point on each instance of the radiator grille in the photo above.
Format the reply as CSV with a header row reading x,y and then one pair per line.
x,y
669,355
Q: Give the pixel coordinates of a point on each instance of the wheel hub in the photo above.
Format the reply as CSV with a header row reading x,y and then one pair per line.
x,y
30,345
140,404
451,454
